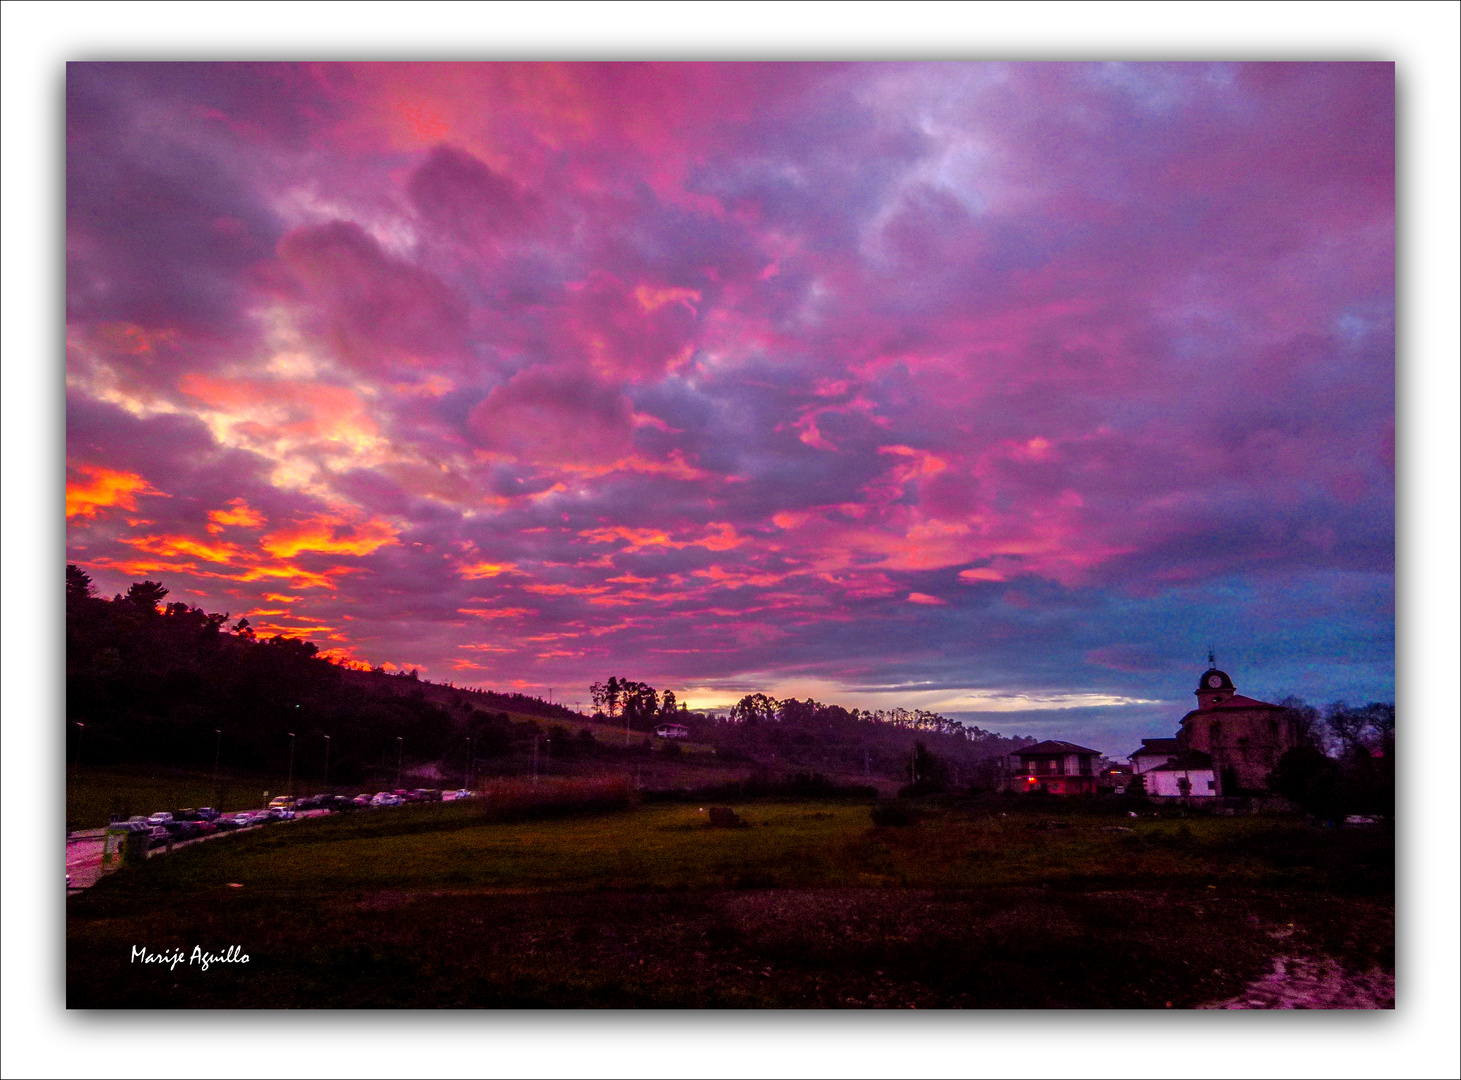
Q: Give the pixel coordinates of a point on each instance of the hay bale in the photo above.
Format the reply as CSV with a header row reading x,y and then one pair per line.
x,y
723,817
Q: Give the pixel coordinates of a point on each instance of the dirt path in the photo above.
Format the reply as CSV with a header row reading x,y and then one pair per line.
x,y
1308,982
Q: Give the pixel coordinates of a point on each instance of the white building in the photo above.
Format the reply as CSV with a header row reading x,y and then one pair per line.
x,y
1188,775
672,731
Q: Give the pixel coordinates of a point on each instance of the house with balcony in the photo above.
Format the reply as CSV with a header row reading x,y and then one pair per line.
x,y
1060,768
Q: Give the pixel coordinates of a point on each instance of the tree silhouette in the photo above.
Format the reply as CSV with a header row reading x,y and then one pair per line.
x,y
146,595
78,583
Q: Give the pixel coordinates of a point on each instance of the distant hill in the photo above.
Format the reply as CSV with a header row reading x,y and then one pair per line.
x,y
149,681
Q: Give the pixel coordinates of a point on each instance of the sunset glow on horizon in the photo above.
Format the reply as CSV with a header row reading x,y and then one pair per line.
x,y
993,389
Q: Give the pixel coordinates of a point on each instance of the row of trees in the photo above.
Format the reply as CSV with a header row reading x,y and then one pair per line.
x,y
759,708
805,733
633,700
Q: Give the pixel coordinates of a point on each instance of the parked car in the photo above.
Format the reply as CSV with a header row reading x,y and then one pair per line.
x,y
361,800
386,798
160,836
284,814
281,802
207,813
228,822
162,817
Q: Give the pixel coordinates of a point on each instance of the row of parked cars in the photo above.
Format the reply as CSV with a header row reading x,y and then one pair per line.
x,y
189,824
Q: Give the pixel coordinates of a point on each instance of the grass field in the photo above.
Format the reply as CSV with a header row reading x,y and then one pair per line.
x,y
810,906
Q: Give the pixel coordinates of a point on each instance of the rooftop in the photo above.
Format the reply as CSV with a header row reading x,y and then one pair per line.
x,y
1054,746
1192,761
1156,747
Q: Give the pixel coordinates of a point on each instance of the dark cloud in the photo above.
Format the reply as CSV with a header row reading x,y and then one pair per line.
x,y
371,310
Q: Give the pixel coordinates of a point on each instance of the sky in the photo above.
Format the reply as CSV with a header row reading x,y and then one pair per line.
x,y
1003,390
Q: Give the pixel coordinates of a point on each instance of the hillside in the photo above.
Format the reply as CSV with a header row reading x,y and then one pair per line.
x,y
170,684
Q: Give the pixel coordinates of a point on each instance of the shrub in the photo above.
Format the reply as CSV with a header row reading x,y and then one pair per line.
x,y
894,812
522,799
1307,777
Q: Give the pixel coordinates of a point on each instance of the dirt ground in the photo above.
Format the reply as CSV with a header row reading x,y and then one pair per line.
x,y
1315,982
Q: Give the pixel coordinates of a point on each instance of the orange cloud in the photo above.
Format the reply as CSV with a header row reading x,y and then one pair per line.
x,y
345,657
980,573
222,552
239,514
734,579
721,536
924,598
270,629
103,487
567,590
496,613
330,534
652,299
478,571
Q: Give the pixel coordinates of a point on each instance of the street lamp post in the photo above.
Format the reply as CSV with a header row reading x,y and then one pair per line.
x,y
327,761
290,789
400,757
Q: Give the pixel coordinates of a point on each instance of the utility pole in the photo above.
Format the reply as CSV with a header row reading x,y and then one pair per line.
x,y
535,759
290,789
467,782
548,754
217,750
327,761
400,757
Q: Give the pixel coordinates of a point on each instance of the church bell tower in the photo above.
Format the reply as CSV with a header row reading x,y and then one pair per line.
x,y
1214,687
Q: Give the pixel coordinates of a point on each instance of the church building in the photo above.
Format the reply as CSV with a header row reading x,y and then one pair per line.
x,y
1243,737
